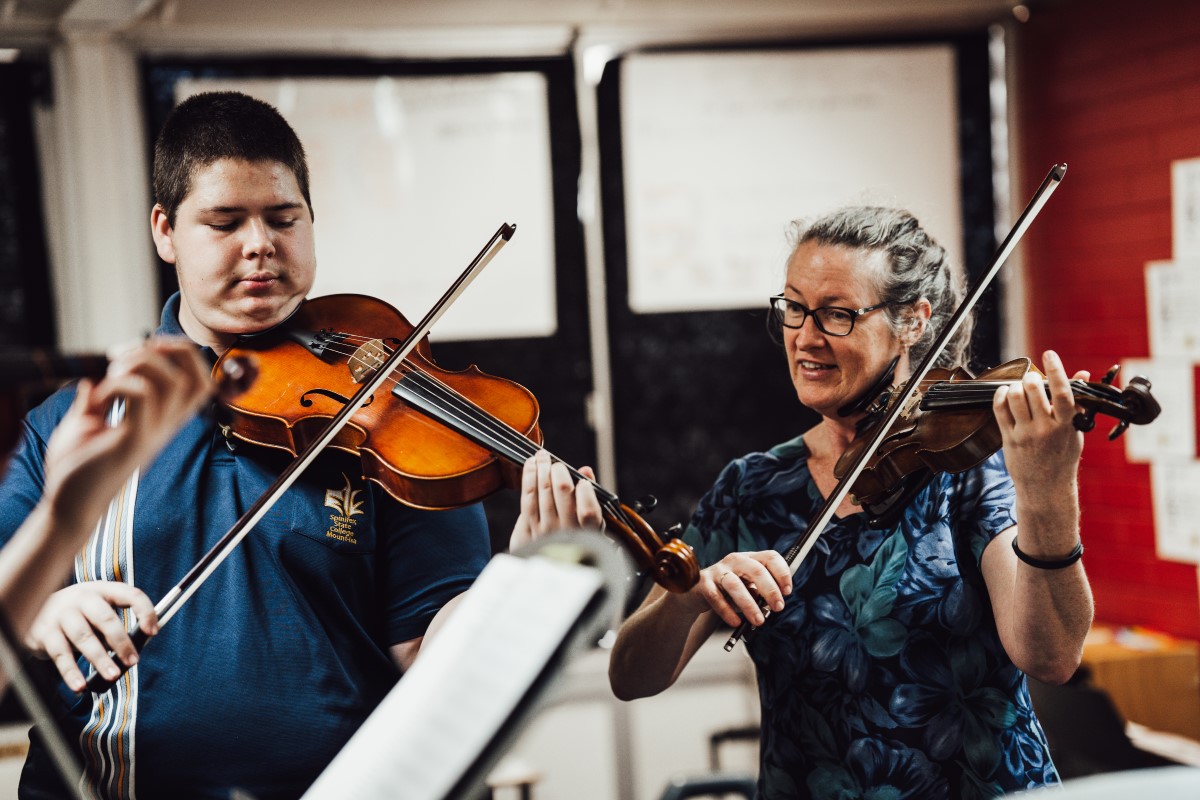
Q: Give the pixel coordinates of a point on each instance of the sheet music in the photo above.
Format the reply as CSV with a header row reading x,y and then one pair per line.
x,y
466,683
1173,434
1176,526
1185,208
1172,296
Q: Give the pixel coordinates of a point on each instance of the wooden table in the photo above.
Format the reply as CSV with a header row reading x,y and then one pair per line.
x,y
1153,679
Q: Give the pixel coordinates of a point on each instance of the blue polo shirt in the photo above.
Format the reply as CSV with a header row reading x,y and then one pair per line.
x,y
264,674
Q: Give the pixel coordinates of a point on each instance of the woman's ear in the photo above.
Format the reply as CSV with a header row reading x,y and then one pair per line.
x,y
917,323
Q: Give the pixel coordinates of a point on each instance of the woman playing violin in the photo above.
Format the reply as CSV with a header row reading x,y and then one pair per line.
x,y
897,657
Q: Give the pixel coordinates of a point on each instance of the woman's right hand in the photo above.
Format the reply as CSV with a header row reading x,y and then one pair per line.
x,y
661,637
81,619
740,584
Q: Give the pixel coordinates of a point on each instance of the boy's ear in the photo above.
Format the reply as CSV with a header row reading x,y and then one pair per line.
x,y
161,230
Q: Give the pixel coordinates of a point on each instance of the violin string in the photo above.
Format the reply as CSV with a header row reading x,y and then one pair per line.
x,y
501,433
467,415
498,434
501,437
461,413
979,391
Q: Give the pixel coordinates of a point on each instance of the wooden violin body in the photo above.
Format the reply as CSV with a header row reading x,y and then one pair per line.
x,y
435,439
308,371
949,426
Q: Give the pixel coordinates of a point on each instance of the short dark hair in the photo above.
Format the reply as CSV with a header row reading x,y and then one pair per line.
x,y
213,125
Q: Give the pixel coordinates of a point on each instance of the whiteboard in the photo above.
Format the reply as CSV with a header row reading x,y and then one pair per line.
x,y
410,177
722,149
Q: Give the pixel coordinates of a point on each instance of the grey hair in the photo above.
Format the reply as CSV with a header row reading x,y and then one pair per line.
x,y
918,267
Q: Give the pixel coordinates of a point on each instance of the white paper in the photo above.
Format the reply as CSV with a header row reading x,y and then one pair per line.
x,y
465,684
1173,308
1173,434
410,177
1185,208
1176,523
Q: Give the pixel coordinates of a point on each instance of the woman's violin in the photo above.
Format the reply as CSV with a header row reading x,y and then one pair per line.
x,y
949,426
435,439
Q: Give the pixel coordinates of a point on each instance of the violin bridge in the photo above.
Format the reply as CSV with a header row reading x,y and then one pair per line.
x,y
367,360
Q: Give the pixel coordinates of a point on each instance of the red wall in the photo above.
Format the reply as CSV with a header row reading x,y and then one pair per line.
x,y
1113,89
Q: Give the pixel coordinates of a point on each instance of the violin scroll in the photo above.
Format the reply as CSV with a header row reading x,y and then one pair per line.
x,y
672,563
233,376
1132,405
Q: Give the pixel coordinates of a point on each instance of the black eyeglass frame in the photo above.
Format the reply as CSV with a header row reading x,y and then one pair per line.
x,y
854,313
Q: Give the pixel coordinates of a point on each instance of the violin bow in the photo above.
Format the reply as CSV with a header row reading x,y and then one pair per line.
x,y
798,552
174,599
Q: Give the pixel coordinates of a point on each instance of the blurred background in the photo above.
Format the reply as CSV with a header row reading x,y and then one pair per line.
x,y
652,153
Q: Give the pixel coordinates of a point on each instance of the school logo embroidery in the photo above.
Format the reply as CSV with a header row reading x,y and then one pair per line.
x,y
345,502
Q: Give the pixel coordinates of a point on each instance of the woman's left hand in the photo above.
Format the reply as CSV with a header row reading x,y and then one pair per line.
x,y
1042,447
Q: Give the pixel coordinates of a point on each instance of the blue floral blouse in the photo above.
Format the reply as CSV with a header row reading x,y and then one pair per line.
x,y
884,677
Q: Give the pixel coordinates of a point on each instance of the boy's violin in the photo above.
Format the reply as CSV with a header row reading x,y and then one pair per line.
x,y
431,438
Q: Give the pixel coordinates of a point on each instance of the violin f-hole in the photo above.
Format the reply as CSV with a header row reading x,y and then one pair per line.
x,y
332,395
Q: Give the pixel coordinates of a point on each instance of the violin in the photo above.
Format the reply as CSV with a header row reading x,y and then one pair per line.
x,y
433,439
949,426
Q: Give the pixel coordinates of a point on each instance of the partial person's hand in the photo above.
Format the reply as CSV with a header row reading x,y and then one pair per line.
x,y
552,501
1041,444
734,586
81,619
164,382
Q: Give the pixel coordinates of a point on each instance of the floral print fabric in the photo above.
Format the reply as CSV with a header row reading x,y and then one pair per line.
x,y
884,677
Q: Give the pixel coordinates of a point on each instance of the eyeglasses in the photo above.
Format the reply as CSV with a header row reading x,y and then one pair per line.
x,y
831,320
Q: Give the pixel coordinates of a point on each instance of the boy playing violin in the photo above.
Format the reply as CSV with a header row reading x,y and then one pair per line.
x,y
274,663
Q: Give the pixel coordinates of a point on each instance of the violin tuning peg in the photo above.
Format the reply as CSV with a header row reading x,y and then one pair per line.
x,y
645,504
673,532
1084,422
1111,375
1118,429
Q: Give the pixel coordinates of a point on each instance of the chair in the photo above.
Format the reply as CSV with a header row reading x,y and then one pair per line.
x,y
718,783
679,788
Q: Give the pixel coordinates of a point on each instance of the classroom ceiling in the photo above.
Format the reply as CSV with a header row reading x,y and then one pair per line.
x,y
151,22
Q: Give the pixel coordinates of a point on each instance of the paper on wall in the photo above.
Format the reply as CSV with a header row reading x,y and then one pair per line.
x,y
1185,208
1173,308
1176,523
1173,434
